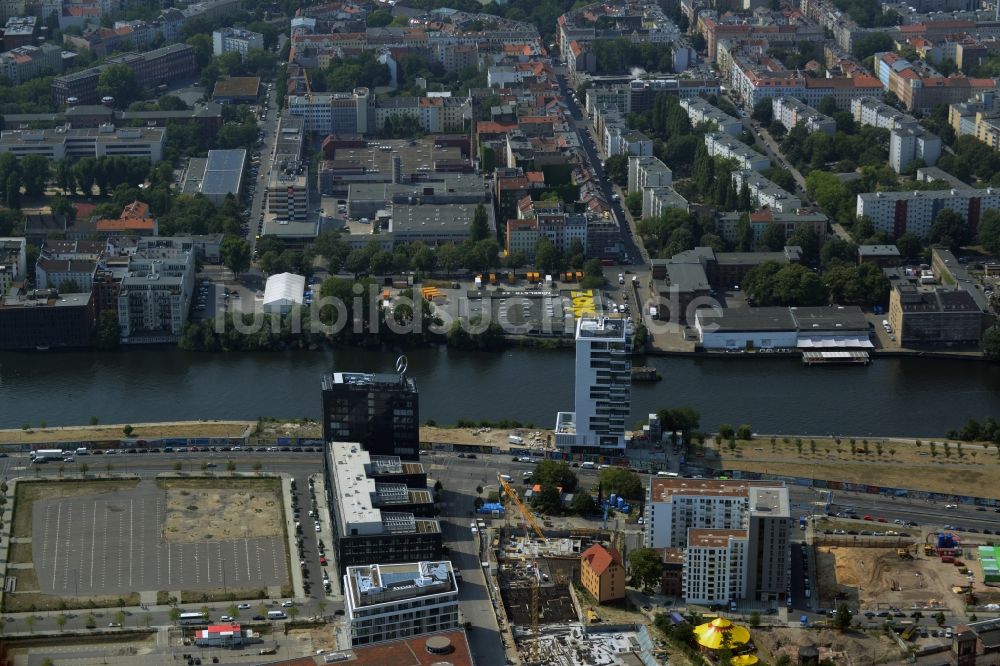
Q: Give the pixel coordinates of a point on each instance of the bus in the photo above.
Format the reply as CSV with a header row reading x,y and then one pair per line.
x,y
669,475
192,618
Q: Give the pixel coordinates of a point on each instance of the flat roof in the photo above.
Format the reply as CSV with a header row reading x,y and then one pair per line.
x,y
224,171
603,327
878,251
376,584
414,651
368,379
747,319
430,218
59,301
706,538
664,489
836,318
415,157
769,501
688,276
237,86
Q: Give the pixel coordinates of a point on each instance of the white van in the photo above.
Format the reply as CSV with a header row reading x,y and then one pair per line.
x,y
587,465
505,477
276,615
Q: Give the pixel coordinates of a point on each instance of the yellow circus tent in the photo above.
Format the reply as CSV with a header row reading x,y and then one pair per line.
x,y
744,660
711,634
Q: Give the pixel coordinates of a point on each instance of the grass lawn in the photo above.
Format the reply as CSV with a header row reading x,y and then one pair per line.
x,y
113,432
29,491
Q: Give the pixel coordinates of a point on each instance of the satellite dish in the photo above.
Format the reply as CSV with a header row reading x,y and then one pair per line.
x,y
401,364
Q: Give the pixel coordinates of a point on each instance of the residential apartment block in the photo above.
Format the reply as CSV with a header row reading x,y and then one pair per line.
x,y
103,141
735,536
920,87
648,172
385,602
699,111
236,40
13,262
603,386
876,113
899,212
764,192
28,62
155,294
726,147
658,200
728,224
638,95
365,534
907,146
790,112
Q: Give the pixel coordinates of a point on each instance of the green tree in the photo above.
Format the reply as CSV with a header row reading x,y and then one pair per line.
x,y
554,473
118,81
12,191
547,256
726,431
623,482
949,229
547,500
762,111
744,432
991,343
616,169
35,172
940,618
479,228
989,231
842,618
646,567
773,238
910,246
583,504
235,254
128,430
754,619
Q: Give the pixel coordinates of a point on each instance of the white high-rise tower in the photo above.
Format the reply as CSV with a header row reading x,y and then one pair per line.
x,y
603,388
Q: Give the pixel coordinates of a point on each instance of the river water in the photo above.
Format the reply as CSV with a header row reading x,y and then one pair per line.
x,y
919,397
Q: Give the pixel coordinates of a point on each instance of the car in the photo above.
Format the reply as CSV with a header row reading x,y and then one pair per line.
x,y
258,618
115,625
318,528
226,618
211,464
322,560
287,603
243,606
980,508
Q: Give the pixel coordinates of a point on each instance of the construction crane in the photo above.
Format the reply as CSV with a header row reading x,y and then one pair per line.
x,y
533,650
309,92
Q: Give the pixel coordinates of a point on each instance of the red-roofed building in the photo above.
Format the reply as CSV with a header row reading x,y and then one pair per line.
x,y
135,219
602,573
219,635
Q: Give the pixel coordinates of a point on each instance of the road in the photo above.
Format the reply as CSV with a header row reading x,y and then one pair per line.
x,y
584,131
268,124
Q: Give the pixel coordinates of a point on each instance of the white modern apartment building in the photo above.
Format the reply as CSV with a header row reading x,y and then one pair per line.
x,y
790,112
735,535
603,388
648,172
765,192
385,602
722,145
699,111
715,570
236,40
876,113
156,292
908,145
899,212
658,200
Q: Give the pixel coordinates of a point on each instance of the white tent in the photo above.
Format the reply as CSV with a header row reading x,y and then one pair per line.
x,y
283,291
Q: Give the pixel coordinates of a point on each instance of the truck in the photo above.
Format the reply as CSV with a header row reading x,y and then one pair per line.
x,y
515,439
45,455
802,522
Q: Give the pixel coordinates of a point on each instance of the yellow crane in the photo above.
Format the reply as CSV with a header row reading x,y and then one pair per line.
x,y
309,92
533,651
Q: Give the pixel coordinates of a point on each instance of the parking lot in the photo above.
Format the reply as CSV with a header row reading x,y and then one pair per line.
x,y
93,546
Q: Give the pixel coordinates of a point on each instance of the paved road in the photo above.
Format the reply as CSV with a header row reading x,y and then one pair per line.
x,y
268,124
584,132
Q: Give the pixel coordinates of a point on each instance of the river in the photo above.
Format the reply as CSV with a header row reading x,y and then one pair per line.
x,y
919,397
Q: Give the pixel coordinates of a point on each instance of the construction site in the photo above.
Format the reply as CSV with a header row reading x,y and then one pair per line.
x,y
923,576
535,575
